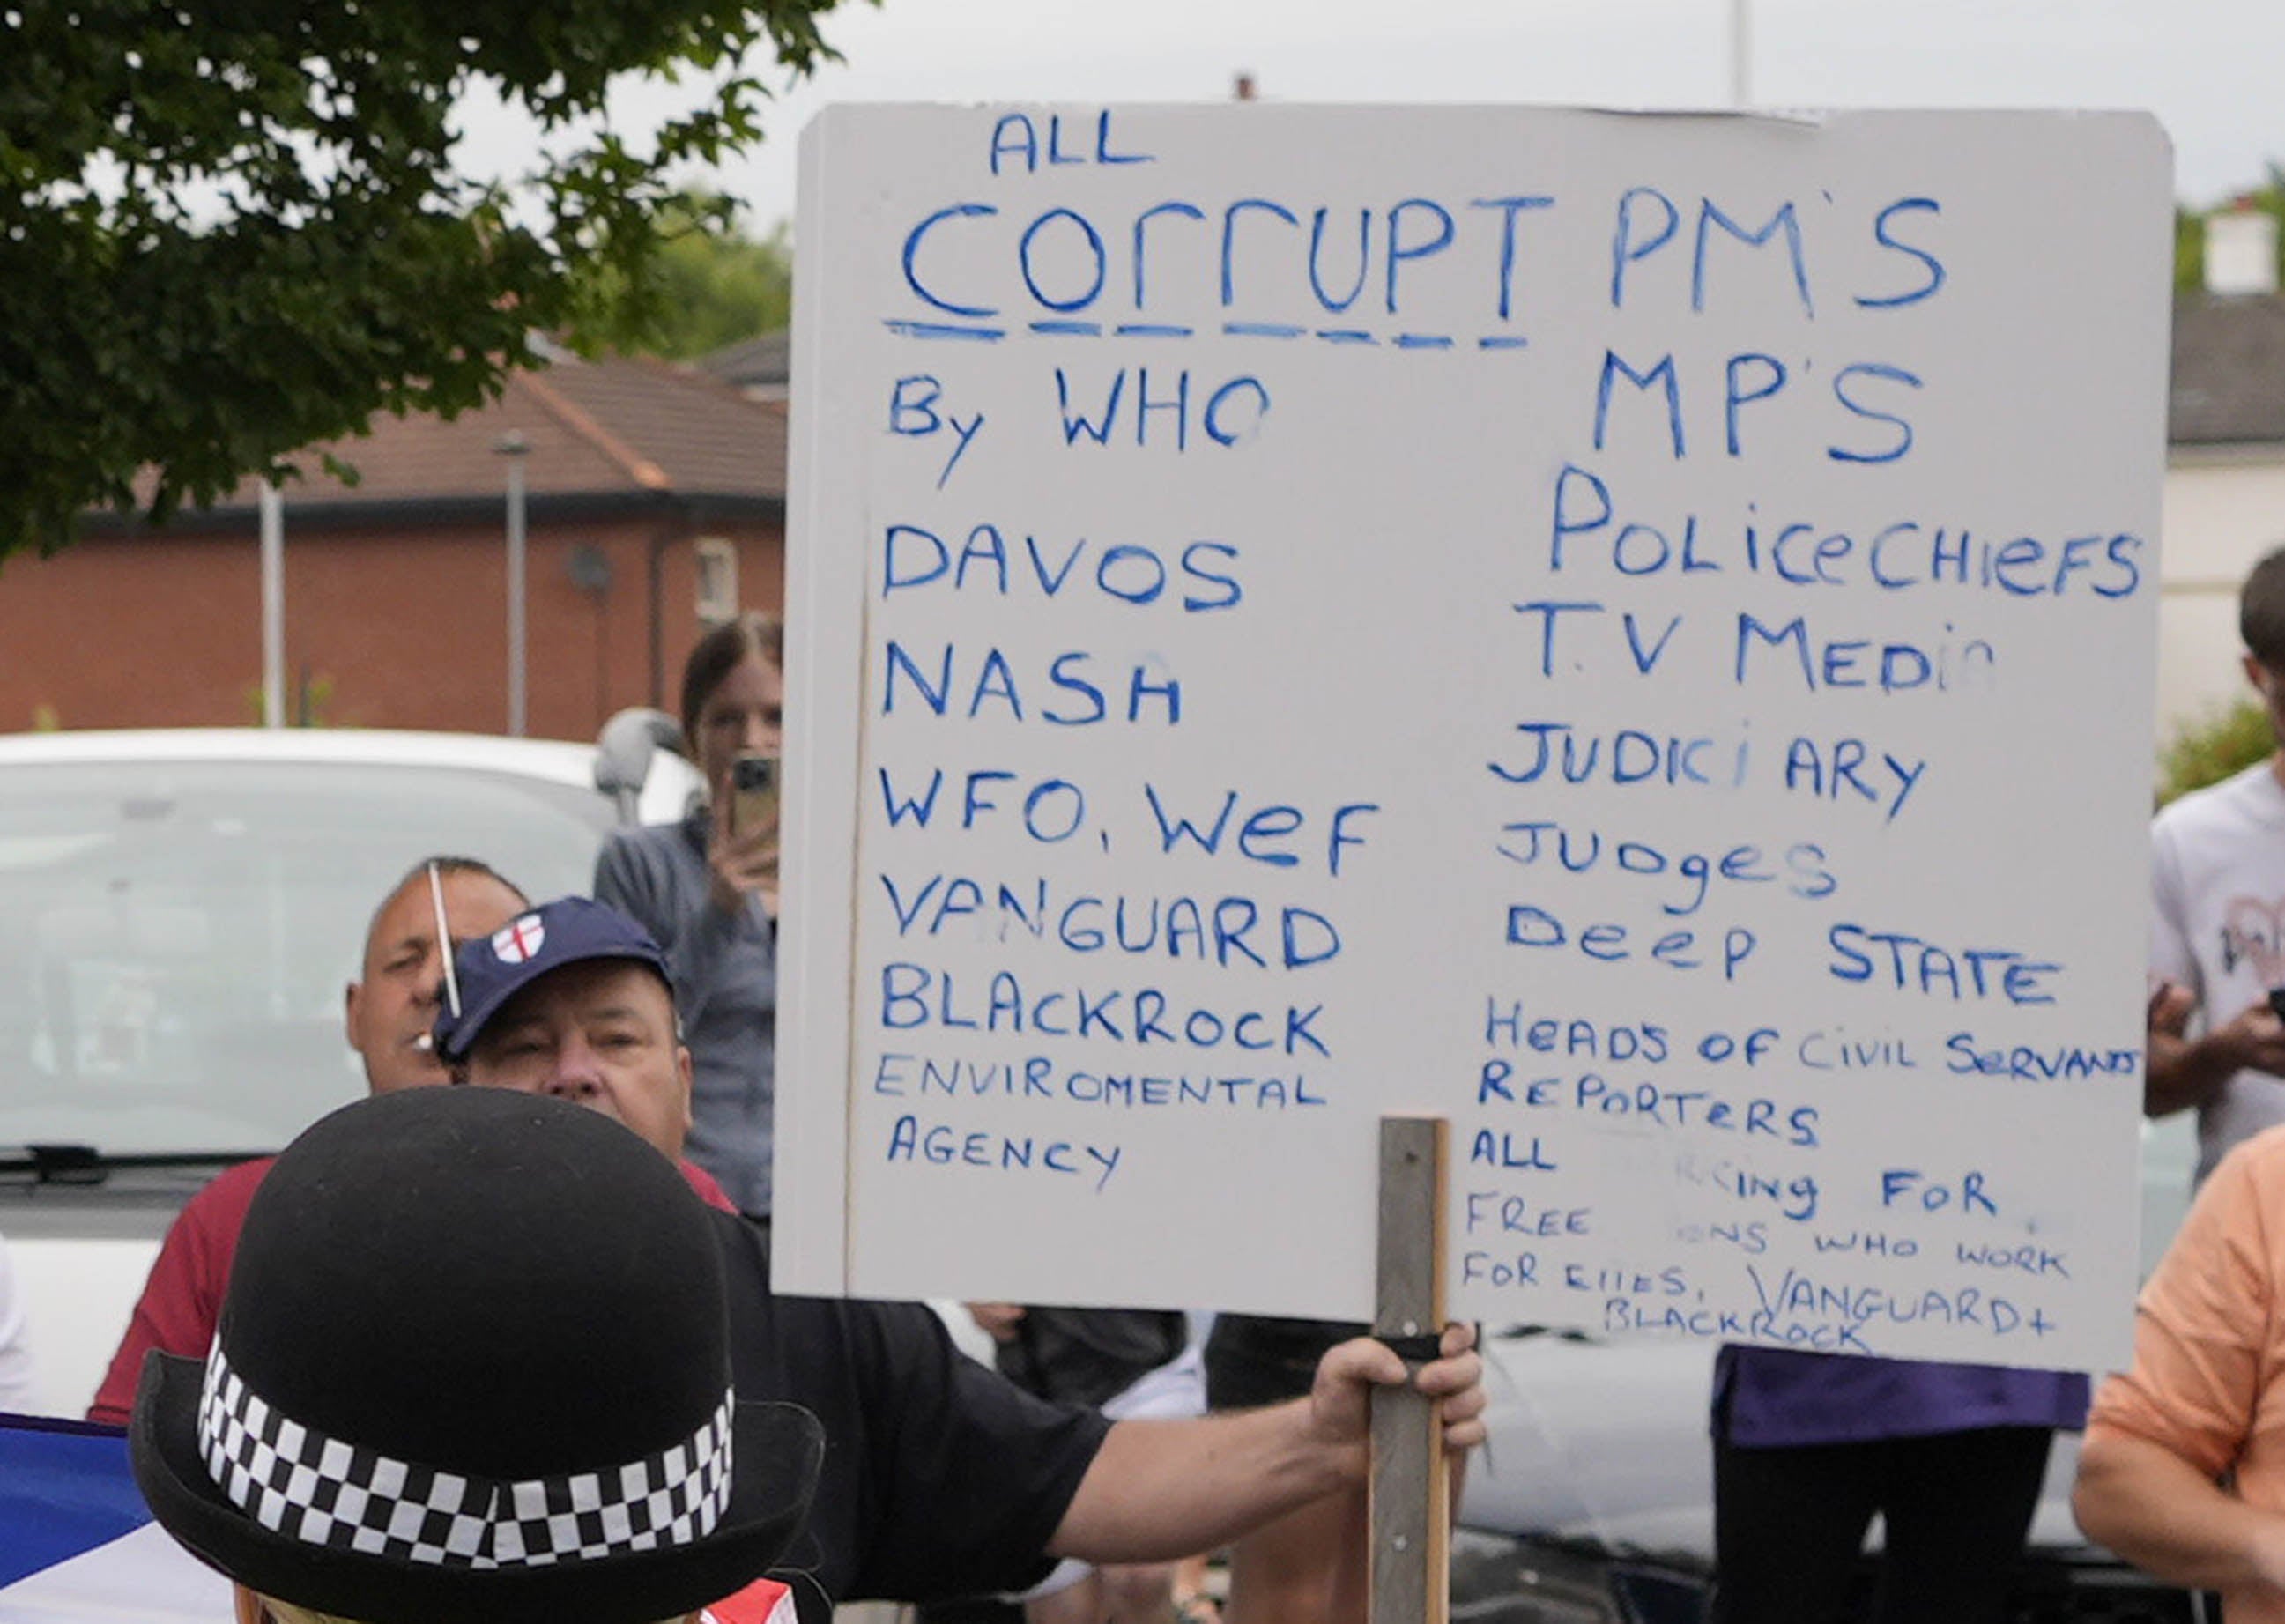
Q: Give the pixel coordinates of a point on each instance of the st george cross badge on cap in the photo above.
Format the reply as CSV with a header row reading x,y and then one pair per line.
x,y
518,941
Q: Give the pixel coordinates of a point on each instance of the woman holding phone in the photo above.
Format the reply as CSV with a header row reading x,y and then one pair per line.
x,y
706,890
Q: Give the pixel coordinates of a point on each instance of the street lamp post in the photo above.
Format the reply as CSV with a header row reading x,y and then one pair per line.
x,y
274,606
1741,53
516,448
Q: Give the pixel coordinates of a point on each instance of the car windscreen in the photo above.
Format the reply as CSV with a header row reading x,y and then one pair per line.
x,y
175,936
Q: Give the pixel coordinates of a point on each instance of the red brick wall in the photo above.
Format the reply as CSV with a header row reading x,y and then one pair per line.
x,y
403,629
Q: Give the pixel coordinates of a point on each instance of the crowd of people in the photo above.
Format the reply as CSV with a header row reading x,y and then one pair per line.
x,y
364,1376
933,1477
361,1379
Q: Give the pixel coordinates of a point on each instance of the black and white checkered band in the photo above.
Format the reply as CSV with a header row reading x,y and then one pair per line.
x,y
296,1481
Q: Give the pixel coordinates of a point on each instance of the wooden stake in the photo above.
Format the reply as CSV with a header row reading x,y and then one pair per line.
x,y
1411,1565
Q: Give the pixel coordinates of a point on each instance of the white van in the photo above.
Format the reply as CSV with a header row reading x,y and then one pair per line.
x,y
180,913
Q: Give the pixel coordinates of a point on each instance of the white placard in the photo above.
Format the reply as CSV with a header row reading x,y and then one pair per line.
x,y
1632,633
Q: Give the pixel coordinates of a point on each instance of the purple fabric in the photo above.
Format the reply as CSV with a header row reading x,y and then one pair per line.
x,y
1772,1397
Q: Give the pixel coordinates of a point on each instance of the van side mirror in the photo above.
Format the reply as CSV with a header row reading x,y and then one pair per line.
x,y
624,749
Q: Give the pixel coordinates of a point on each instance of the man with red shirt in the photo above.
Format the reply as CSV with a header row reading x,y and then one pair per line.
x,y
387,1017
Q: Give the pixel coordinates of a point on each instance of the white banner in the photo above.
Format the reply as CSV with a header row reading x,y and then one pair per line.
x,y
1630,633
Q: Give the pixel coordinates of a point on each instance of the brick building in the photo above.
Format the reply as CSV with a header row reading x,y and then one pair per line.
x,y
655,503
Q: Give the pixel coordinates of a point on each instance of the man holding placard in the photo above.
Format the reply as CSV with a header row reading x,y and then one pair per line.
x,y
941,1479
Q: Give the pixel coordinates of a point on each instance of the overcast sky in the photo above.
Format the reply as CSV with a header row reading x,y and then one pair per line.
x,y
2212,70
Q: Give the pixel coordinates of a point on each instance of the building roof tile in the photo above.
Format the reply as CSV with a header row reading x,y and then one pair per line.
x,y
613,427
2228,385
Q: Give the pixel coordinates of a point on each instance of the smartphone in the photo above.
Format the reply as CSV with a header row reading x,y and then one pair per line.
x,y
753,793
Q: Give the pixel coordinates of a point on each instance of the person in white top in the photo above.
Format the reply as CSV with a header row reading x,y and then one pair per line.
x,y
2218,920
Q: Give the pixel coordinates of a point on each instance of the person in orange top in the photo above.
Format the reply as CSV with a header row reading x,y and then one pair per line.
x,y
2183,1471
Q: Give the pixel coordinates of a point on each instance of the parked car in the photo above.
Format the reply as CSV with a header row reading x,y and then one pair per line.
x,y
183,910
1593,1500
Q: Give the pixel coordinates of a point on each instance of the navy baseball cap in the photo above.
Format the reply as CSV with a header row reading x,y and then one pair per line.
x,y
494,969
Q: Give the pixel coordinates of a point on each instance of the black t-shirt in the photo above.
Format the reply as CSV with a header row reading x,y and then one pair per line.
x,y
941,1477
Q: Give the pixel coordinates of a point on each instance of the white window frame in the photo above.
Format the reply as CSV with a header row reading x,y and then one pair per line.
x,y
716,590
